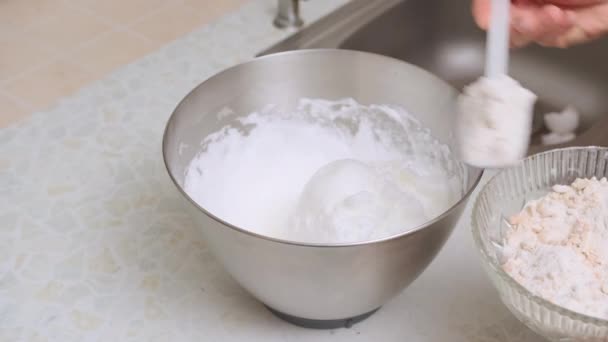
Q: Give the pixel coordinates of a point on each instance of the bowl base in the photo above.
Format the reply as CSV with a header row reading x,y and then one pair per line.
x,y
322,323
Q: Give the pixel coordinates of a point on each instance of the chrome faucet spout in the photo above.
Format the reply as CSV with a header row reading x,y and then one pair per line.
x,y
288,14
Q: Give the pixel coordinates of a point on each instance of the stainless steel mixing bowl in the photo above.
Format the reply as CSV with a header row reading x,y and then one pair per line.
x,y
317,285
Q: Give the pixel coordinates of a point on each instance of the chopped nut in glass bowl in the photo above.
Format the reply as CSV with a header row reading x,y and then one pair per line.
x,y
541,228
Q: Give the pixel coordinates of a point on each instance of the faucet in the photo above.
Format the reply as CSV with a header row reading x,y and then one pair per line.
x,y
288,14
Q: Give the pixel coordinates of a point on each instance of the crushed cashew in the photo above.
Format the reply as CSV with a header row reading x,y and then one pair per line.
x,y
557,246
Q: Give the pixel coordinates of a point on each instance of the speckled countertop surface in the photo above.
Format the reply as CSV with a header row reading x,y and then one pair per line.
x,y
94,245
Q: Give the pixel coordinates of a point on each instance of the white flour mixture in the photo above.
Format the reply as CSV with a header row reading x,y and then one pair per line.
x,y
557,247
329,172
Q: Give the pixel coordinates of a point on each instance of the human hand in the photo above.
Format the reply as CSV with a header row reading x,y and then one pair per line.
x,y
555,23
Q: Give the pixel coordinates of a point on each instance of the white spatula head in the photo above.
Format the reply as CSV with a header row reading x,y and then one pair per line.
x,y
495,113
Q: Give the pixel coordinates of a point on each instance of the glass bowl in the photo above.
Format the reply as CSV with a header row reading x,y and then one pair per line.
x,y
504,195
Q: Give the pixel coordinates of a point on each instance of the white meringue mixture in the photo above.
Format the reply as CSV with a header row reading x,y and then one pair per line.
x,y
328,172
562,126
494,122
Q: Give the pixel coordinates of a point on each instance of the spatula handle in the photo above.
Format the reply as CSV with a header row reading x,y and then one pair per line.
x,y
497,45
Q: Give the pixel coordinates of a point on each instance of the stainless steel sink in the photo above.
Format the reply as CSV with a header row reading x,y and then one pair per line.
x,y
440,36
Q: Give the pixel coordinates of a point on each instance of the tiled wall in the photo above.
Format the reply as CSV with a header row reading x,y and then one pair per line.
x,y
51,48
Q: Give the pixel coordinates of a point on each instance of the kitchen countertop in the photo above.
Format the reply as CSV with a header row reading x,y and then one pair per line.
x,y
52,48
95,246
